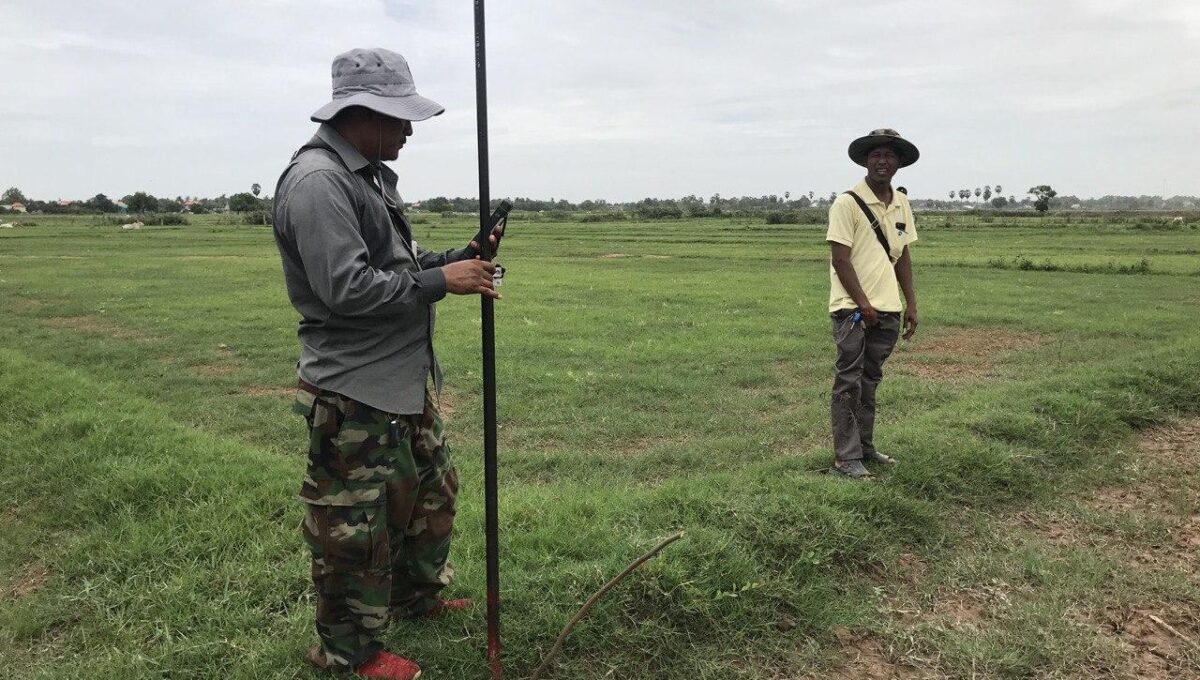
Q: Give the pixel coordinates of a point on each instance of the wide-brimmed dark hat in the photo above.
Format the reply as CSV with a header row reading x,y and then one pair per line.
x,y
906,150
379,80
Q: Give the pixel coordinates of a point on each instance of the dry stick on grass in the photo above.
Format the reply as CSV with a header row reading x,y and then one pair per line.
x,y
1173,631
553,653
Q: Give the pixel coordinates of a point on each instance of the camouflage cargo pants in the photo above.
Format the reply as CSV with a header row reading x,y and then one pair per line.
x,y
857,374
379,495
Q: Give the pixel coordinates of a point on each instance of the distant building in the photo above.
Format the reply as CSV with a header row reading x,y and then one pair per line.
x,y
121,207
64,202
17,206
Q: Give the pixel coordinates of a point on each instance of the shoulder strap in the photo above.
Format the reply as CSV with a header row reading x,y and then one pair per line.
x,y
879,235
314,143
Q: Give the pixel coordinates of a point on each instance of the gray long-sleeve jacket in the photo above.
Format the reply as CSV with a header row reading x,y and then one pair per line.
x,y
364,290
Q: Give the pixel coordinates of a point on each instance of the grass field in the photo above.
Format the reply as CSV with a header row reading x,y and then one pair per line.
x,y
653,377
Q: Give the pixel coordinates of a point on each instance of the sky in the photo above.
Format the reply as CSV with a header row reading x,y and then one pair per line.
x,y
612,99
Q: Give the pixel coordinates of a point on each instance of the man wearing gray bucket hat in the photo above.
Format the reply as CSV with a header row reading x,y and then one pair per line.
x,y
380,487
870,230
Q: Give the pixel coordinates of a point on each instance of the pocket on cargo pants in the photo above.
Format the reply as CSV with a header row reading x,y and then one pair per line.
x,y
348,461
346,538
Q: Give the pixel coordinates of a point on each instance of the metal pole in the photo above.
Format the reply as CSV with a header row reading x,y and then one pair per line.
x,y
491,523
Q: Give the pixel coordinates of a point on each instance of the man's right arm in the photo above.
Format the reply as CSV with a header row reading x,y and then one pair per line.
x,y
841,239
840,256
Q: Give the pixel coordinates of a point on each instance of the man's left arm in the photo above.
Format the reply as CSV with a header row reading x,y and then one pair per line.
x,y
905,277
428,258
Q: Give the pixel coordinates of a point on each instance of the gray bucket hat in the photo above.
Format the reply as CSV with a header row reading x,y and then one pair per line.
x,y
906,150
379,80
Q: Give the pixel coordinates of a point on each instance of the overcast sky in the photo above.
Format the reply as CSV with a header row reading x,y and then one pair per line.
x,y
616,99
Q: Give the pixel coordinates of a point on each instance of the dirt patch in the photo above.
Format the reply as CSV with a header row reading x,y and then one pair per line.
x,y
214,369
1158,640
97,325
1155,648
643,445
31,580
272,392
48,257
1052,528
1188,534
977,342
19,302
447,404
961,353
615,256
911,568
1165,455
219,366
970,607
960,608
868,658
1177,443
1149,525
205,258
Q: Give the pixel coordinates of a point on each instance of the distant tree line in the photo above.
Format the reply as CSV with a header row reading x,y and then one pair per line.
x,y
139,202
655,208
1040,197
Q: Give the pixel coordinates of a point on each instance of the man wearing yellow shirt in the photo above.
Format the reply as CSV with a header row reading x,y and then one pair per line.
x,y
870,230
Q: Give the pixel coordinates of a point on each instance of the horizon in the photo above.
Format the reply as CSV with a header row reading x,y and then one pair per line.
x,y
818,196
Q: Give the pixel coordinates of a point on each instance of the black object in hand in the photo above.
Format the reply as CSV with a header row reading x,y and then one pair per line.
x,y
499,217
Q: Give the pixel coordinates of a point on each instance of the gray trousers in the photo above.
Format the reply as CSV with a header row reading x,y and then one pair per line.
x,y
857,374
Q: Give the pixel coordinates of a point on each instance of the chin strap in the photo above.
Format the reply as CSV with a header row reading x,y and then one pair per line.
x,y
379,157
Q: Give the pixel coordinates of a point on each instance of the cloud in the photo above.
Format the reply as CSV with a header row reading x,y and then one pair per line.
x,y
616,99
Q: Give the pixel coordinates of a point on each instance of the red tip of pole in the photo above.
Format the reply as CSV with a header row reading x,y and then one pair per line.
x,y
493,635
494,658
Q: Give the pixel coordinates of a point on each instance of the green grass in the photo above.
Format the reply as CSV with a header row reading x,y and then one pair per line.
x,y
653,377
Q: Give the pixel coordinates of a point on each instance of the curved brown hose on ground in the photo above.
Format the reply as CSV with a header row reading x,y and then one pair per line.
x,y
553,653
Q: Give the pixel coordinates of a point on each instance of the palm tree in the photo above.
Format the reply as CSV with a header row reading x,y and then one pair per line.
x,y
998,190
255,188
952,194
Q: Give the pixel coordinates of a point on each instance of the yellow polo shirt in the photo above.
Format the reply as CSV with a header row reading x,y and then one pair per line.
x,y
876,273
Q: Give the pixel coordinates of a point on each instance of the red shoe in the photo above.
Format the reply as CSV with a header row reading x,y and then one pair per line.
x,y
388,666
443,607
